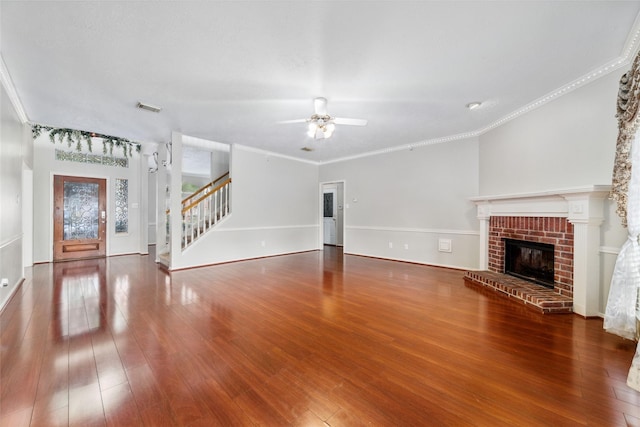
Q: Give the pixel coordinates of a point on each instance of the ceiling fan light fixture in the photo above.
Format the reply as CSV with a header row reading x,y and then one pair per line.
x,y
328,130
311,132
474,105
321,125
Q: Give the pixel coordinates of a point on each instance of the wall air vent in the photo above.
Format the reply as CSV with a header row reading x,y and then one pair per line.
x,y
148,107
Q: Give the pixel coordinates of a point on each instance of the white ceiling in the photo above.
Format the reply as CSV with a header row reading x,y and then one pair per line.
x,y
229,71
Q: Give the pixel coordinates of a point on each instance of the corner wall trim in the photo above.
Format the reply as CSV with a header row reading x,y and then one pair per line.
x,y
7,83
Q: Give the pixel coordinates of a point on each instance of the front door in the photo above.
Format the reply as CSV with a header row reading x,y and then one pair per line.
x,y
79,217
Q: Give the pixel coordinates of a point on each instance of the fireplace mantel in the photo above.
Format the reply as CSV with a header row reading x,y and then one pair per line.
x,y
567,202
582,206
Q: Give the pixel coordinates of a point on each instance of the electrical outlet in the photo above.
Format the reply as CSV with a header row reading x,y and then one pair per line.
x,y
406,246
5,283
390,245
263,243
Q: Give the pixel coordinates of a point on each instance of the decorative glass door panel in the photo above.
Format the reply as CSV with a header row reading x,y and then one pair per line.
x,y
81,211
79,218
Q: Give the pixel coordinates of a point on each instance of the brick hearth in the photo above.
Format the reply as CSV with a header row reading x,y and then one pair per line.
x,y
554,231
536,297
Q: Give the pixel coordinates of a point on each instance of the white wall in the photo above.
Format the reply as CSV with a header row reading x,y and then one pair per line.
x,y
46,166
409,200
274,210
219,163
569,142
12,157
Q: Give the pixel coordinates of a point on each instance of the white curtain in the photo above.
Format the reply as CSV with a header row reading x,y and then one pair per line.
x,y
621,312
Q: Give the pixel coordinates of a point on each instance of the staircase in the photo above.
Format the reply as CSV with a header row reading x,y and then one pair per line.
x,y
204,209
200,212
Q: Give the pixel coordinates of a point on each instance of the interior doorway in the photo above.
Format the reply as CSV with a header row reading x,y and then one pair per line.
x,y
79,217
332,204
330,216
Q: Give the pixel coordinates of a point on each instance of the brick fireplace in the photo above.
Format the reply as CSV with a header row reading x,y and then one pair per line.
x,y
555,231
569,219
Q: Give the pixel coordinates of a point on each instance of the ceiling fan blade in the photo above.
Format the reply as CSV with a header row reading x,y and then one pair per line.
x,y
320,106
293,121
353,122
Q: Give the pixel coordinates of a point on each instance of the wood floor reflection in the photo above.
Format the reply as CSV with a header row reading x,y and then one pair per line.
x,y
310,339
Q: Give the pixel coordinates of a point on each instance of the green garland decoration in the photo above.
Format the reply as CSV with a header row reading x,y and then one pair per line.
x,y
77,137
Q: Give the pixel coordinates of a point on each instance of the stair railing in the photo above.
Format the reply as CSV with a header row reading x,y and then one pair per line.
x,y
205,189
203,209
203,212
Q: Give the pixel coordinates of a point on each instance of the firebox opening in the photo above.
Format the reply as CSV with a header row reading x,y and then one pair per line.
x,y
530,261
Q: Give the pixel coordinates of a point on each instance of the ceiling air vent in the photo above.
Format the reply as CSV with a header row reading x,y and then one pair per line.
x,y
148,107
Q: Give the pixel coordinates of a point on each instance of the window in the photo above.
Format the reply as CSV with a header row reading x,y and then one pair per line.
x,y
122,206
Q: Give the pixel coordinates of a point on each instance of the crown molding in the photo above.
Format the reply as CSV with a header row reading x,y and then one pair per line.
x,y
629,51
272,154
7,83
405,147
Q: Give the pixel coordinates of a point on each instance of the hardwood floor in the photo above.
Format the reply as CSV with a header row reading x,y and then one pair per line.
x,y
310,339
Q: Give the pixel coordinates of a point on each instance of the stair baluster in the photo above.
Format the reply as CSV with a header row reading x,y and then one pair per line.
x,y
201,213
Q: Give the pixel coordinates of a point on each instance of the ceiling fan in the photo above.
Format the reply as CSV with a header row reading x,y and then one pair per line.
x,y
321,124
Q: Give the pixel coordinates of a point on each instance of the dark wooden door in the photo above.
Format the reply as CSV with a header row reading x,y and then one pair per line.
x,y
79,217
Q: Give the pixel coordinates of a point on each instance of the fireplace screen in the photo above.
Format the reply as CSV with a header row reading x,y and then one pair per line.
x,y
529,260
